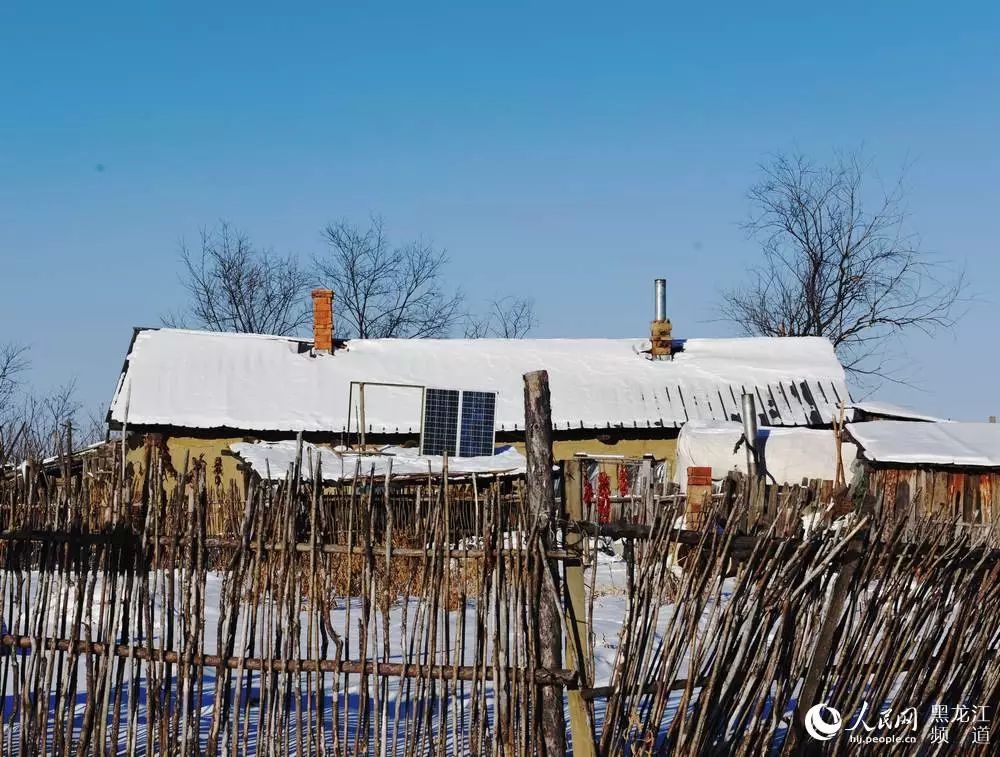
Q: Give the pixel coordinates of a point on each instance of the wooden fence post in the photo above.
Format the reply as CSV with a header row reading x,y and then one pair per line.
x,y
821,652
646,476
579,646
541,504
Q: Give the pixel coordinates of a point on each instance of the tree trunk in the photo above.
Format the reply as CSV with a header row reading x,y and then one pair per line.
x,y
541,503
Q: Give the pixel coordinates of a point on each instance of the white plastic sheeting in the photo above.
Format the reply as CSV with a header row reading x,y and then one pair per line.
x,y
790,454
277,458
969,445
196,379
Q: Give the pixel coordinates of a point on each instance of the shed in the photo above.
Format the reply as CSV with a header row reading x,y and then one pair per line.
x,y
937,472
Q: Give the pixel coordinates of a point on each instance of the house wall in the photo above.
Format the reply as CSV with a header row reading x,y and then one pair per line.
x,y
661,449
214,450
936,494
181,448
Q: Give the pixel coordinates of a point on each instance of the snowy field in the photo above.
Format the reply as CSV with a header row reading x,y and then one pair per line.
x,y
609,610
400,704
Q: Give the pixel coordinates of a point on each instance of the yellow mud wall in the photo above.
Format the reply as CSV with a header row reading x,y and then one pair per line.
x,y
191,448
661,449
213,449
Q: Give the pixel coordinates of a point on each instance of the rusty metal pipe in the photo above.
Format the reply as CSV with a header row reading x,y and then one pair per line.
x,y
750,432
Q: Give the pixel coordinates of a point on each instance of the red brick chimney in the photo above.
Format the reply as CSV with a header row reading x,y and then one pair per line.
x,y
323,320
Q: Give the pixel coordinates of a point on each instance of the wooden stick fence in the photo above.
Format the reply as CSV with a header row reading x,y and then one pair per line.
x,y
349,624
726,656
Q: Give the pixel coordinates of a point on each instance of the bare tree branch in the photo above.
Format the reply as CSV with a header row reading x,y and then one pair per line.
x,y
838,262
507,318
34,426
384,290
235,286
13,363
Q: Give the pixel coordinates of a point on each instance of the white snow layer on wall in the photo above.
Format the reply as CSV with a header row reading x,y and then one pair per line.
x,y
790,454
277,458
963,444
200,379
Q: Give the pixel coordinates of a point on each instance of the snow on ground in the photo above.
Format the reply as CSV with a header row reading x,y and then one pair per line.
x,y
609,615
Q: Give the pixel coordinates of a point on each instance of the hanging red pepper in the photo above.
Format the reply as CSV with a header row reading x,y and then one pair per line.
x,y
588,492
603,498
622,481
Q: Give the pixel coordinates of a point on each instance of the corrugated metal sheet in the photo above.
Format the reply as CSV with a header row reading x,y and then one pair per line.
x,y
197,379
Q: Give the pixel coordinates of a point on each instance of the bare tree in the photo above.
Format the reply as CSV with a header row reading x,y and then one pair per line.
x,y
13,362
507,318
236,286
44,419
38,424
839,262
384,290
34,426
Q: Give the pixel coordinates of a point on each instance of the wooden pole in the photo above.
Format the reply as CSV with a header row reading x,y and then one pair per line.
x,y
541,507
824,642
579,647
838,440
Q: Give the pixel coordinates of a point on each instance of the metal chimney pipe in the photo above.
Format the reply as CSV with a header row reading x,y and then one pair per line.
x,y
750,432
661,300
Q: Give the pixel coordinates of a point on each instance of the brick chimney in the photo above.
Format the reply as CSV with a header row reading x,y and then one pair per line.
x,y
660,330
323,320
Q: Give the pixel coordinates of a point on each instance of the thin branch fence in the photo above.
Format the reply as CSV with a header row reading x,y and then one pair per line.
x,y
323,627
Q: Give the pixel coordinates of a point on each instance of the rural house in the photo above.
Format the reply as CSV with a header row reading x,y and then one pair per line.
x,y
202,392
933,472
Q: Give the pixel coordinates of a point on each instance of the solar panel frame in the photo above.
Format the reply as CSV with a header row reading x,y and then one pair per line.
x,y
439,427
477,424
459,422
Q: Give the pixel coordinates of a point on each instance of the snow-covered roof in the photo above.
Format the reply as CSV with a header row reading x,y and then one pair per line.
x,y
274,460
790,454
968,445
197,379
888,410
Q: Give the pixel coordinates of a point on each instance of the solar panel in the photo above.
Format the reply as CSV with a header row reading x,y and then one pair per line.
x,y
458,422
476,430
440,431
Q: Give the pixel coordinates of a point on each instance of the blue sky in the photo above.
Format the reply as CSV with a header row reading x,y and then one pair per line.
x,y
568,152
